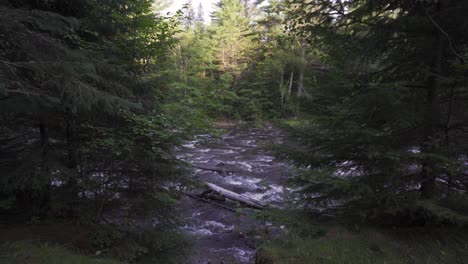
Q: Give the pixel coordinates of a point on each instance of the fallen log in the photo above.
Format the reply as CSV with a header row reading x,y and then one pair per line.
x,y
218,169
235,196
211,202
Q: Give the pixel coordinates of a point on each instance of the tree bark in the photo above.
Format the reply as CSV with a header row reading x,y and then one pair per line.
x,y
235,197
281,89
291,78
210,202
300,80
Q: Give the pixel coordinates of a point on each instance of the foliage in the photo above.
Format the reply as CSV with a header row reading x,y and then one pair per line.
x,y
241,65
308,241
95,96
84,127
27,252
155,245
386,116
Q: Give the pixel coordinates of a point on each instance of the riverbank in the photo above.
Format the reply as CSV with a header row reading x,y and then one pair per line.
x,y
70,242
34,252
52,243
310,241
278,235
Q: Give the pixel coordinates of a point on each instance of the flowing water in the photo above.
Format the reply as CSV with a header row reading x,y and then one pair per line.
x,y
220,235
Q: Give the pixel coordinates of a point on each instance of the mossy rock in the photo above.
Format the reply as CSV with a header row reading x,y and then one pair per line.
x,y
263,256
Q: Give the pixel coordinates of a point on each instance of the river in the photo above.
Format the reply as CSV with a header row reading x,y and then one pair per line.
x,y
224,236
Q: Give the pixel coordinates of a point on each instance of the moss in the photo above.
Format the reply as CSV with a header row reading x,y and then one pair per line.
x,y
29,252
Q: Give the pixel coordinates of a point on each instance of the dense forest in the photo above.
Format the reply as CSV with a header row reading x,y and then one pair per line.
x,y
98,98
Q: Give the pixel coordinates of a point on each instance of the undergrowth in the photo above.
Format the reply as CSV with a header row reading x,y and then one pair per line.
x,y
31,252
308,241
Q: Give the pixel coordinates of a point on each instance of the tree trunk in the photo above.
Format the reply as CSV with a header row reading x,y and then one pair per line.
x,y
44,135
71,148
281,89
42,200
72,183
447,137
428,171
35,199
300,80
291,77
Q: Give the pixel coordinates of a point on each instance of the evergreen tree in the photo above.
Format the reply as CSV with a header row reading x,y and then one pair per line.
x,y
189,14
271,88
80,108
230,30
200,17
387,115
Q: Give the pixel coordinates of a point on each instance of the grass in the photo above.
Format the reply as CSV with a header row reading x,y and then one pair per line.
x,y
31,252
309,242
297,122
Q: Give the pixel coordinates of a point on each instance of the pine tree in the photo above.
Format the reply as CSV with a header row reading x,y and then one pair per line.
x,y
232,34
200,17
189,15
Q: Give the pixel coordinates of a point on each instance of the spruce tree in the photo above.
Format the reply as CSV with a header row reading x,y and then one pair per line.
x,y
386,131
